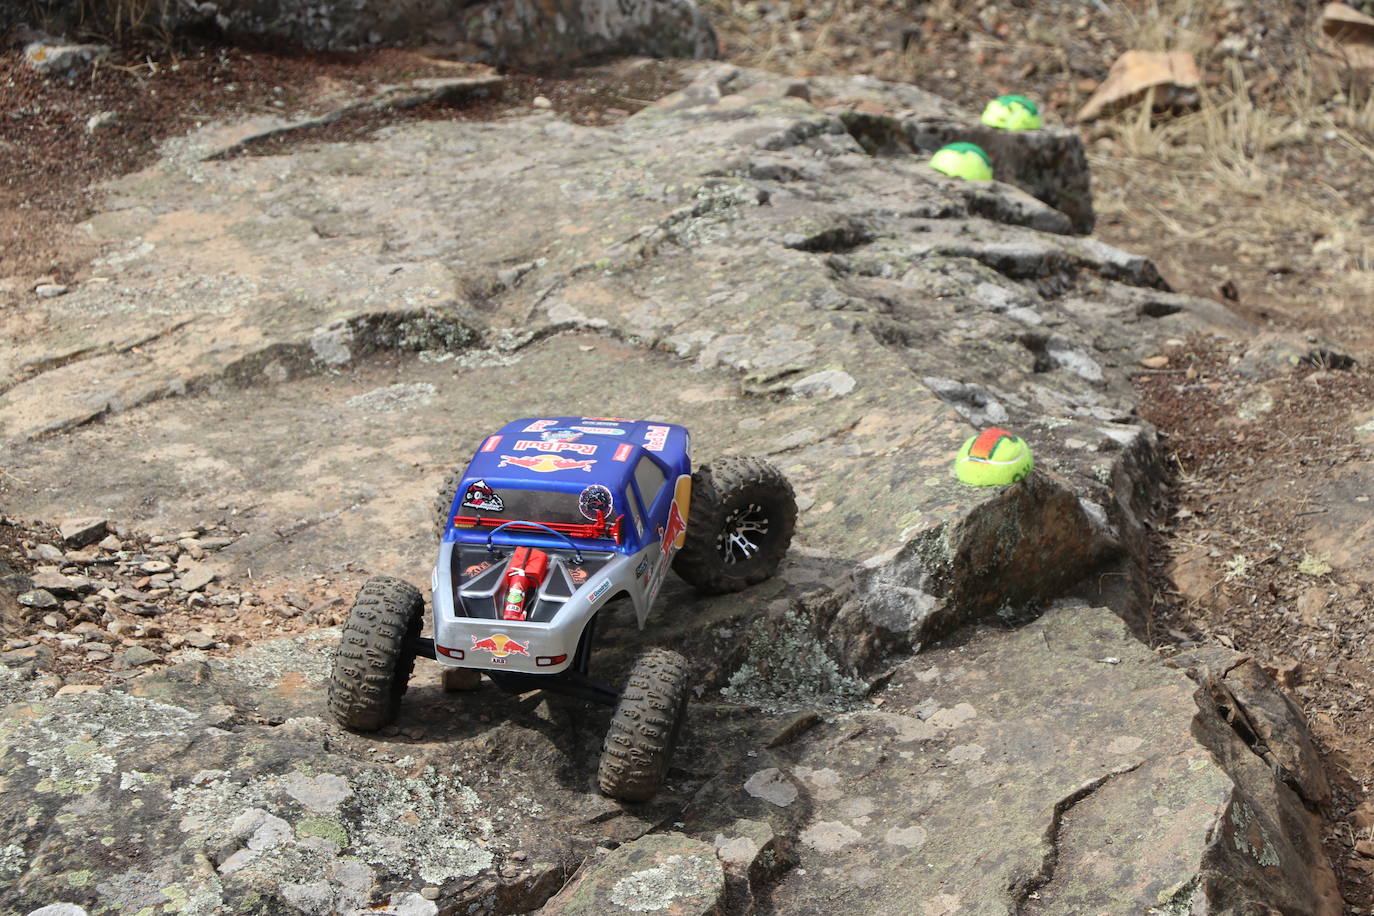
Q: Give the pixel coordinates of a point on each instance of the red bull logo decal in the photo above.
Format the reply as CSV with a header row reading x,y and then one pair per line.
x,y
547,464
500,645
556,445
677,526
656,438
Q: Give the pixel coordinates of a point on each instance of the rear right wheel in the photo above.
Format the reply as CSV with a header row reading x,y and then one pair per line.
x,y
644,730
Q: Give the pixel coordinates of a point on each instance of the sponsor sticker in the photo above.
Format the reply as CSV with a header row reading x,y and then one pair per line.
x,y
491,443
656,438
500,645
481,496
540,425
594,499
560,434
599,430
601,589
622,452
557,445
547,464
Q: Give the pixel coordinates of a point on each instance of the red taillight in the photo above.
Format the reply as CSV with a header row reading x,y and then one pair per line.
x,y
451,653
544,661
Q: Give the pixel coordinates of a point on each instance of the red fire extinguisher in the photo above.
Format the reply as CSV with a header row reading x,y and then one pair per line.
x,y
526,572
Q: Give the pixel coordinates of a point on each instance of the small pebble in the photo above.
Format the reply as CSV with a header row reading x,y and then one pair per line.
x,y
541,102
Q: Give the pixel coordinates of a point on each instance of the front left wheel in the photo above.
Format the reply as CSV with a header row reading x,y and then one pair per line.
x,y
376,654
644,730
741,523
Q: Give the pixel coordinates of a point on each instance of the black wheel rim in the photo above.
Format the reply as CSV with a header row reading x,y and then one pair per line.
x,y
743,535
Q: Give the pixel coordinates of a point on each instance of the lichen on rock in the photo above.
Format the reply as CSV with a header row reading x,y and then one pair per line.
x,y
787,667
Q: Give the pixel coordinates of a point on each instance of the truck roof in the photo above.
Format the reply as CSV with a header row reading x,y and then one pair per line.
x,y
573,452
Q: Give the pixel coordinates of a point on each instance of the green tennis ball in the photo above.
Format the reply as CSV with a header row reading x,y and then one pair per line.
x,y
993,458
1012,112
963,160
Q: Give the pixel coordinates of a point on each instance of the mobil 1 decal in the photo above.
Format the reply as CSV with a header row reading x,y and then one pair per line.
x,y
480,496
593,500
598,430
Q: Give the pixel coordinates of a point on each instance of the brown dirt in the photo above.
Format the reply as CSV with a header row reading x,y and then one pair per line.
x,y
1236,565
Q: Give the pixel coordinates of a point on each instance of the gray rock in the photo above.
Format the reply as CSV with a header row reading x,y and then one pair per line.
x,y
137,656
661,872
47,553
62,60
63,586
831,383
58,909
49,290
1100,743
772,786
196,576
78,532
743,846
101,120
38,599
199,640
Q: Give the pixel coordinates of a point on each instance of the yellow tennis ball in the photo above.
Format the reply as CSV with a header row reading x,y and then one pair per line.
x,y
963,160
993,458
1012,112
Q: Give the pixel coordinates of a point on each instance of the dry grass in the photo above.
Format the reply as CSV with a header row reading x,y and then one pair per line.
x,y
113,20
1264,172
1171,25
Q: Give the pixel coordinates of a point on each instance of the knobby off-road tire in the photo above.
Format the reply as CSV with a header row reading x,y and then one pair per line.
x,y
740,524
644,729
376,654
443,500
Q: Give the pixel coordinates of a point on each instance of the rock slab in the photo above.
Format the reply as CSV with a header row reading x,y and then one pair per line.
x,y
1053,769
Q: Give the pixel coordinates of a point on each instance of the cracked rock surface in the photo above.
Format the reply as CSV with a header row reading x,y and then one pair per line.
x,y
310,340
1049,770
